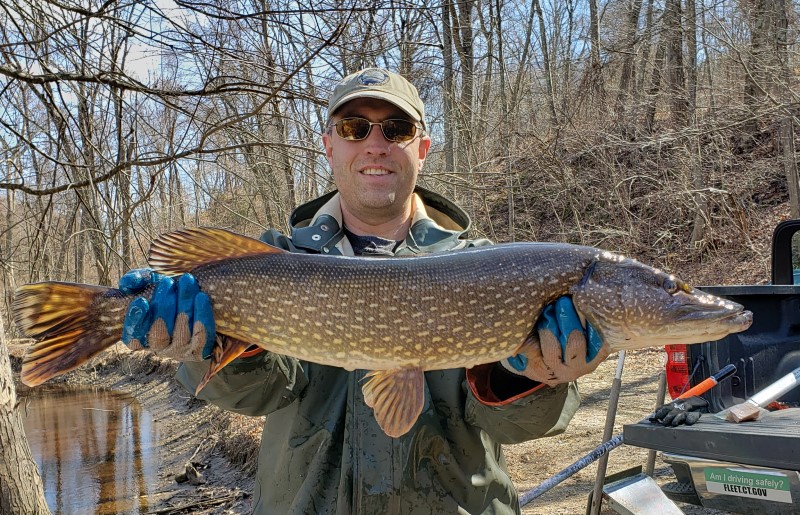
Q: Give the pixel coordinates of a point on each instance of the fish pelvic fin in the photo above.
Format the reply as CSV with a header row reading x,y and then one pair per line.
x,y
72,323
225,351
397,396
181,251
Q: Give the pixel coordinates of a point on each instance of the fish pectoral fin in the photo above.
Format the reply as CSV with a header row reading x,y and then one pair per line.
x,y
222,355
397,396
184,250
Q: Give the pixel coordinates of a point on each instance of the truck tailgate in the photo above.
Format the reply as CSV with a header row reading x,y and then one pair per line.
x,y
772,441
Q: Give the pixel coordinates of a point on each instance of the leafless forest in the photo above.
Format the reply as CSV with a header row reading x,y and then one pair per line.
x,y
654,127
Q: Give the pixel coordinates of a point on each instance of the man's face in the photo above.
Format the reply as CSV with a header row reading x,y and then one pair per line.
x,y
375,177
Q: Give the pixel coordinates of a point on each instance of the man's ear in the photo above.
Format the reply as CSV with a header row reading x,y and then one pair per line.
x,y
424,147
326,142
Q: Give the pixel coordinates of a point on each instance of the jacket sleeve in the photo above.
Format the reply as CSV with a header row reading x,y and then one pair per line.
x,y
534,413
255,386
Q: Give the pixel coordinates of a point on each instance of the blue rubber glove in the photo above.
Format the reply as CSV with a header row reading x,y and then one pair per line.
x,y
560,349
176,322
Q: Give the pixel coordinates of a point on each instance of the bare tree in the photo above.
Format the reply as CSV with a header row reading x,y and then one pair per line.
x,y
21,489
788,98
463,37
627,78
676,74
548,74
595,63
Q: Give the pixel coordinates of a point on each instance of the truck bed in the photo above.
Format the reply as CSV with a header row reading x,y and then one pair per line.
x,y
764,353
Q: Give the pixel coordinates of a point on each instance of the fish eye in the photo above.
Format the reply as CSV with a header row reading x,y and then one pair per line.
x,y
673,286
670,286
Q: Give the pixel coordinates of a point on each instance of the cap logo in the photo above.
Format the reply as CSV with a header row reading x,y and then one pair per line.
x,y
373,77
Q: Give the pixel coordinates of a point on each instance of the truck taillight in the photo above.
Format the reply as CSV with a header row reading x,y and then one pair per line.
x,y
677,369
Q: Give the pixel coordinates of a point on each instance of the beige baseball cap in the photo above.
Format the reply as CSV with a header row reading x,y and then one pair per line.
x,y
381,84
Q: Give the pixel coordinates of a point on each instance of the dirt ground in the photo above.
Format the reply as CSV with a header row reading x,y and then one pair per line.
x,y
531,463
226,444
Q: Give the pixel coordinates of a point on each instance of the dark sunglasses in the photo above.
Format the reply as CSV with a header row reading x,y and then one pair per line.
x,y
356,129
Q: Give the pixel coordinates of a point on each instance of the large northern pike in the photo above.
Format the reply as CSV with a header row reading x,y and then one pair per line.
x,y
394,316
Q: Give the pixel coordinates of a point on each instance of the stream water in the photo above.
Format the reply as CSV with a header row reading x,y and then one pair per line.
x,y
96,450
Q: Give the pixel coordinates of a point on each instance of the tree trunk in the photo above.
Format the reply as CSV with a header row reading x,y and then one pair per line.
x,y
697,174
21,488
449,90
698,180
787,96
676,78
516,89
647,36
790,165
653,90
761,71
501,72
595,65
548,74
489,31
567,98
691,56
708,66
627,77
464,38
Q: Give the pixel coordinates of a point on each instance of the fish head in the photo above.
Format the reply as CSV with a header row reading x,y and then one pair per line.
x,y
633,305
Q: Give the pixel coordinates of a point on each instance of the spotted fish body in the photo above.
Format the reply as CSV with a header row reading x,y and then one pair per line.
x,y
378,314
394,316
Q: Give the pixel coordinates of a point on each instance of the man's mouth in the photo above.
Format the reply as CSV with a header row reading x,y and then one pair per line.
x,y
375,171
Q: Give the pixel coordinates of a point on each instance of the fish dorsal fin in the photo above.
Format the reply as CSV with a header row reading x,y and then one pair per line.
x,y
184,250
397,396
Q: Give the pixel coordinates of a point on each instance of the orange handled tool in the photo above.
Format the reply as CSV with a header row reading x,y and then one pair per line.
x,y
709,383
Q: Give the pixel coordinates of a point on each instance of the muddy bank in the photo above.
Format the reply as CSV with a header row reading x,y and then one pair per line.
x,y
223,445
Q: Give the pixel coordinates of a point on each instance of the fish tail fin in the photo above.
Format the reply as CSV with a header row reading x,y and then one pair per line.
x,y
184,250
71,322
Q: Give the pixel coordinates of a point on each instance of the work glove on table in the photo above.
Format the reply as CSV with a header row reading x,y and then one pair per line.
x,y
559,349
177,322
680,411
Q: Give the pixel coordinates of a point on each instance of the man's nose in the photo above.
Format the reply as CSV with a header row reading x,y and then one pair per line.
x,y
375,142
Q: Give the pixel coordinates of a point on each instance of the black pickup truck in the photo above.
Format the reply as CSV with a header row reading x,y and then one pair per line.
x,y
749,467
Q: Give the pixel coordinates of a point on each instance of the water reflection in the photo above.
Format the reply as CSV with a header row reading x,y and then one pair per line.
x,y
96,450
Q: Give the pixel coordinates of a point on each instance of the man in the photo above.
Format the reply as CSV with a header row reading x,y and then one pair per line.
x,y
322,450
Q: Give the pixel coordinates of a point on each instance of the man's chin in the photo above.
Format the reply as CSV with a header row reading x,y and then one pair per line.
x,y
379,202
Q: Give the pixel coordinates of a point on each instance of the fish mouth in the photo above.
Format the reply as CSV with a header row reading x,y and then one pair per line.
x,y
742,319
706,326
728,314
695,325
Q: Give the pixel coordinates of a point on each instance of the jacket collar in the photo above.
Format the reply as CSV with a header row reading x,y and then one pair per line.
x,y
316,226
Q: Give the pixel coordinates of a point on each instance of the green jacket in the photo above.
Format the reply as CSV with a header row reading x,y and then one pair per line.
x,y
322,450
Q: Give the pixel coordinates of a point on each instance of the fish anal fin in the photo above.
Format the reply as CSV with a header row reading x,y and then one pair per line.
x,y
181,251
225,351
397,396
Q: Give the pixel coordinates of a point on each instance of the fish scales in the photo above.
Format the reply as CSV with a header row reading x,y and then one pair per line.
x,y
396,317
377,313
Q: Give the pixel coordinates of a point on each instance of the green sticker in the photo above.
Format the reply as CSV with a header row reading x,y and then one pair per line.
x,y
770,486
